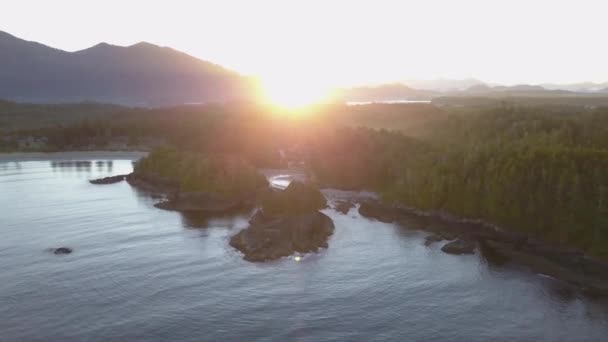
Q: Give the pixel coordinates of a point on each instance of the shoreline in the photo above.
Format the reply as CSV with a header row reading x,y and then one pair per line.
x,y
70,155
573,266
562,262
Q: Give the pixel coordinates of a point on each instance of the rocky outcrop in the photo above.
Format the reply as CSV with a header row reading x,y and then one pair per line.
x,y
431,239
289,222
152,183
343,207
273,237
297,198
62,250
459,247
588,273
378,212
501,245
109,180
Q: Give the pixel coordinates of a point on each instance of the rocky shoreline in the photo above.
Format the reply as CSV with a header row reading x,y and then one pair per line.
x,y
109,180
152,183
287,223
561,262
176,200
270,237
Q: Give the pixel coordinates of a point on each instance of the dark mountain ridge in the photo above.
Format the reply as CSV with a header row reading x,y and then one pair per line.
x,y
143,74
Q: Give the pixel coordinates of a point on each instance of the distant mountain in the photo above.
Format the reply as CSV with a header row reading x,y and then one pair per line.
x,y
142,74
398,91
516,90
443,85
577,87
479,88
385,92
519,87
471,84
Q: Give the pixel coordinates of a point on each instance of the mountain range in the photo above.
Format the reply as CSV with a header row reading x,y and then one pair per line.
x,y
139,75
455,85
149,75
384,92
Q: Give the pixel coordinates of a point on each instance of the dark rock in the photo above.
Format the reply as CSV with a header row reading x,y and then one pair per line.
x,y
377,211
491,252
429,240
297,198
459,247
448,235
499,246
594,292
270,238
260,217
152,183
109,180
343,207
62,250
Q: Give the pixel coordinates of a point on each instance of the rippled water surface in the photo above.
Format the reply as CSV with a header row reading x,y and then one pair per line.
x,y
143,274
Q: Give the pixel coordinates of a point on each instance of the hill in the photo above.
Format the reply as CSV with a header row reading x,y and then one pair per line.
x,y
139,75
383,93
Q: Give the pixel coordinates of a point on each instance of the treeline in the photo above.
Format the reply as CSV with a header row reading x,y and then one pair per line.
x,y
255,130
227,175
540,173
538,169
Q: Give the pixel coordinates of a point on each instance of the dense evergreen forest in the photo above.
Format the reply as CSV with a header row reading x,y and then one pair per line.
x,y
225,174
539,169
541,173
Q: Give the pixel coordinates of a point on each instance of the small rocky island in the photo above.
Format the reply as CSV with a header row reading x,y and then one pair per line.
x,y
288,222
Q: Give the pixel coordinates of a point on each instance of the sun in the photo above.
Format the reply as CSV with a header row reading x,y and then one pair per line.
x,y
293,93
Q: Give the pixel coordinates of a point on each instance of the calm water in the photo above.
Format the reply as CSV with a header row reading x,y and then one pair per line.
x,y
142,274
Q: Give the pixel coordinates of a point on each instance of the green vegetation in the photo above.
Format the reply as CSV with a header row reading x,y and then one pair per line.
x,y
298,198
227,175
31,116
541,173
534,167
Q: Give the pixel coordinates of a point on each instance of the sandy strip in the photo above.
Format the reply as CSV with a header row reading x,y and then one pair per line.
x,y
72,155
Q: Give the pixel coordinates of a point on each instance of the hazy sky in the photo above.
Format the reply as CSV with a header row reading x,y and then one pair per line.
x,y
327,43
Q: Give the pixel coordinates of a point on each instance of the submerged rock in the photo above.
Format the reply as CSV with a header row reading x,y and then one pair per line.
x,y
109,180
273,237
431,239
343,207
377,211
459,247
62,250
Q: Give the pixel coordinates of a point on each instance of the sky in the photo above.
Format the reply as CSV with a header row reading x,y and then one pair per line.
x,y
321,44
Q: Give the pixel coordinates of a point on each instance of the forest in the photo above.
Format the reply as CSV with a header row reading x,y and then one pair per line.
x,y
541,169
542,174
225,174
